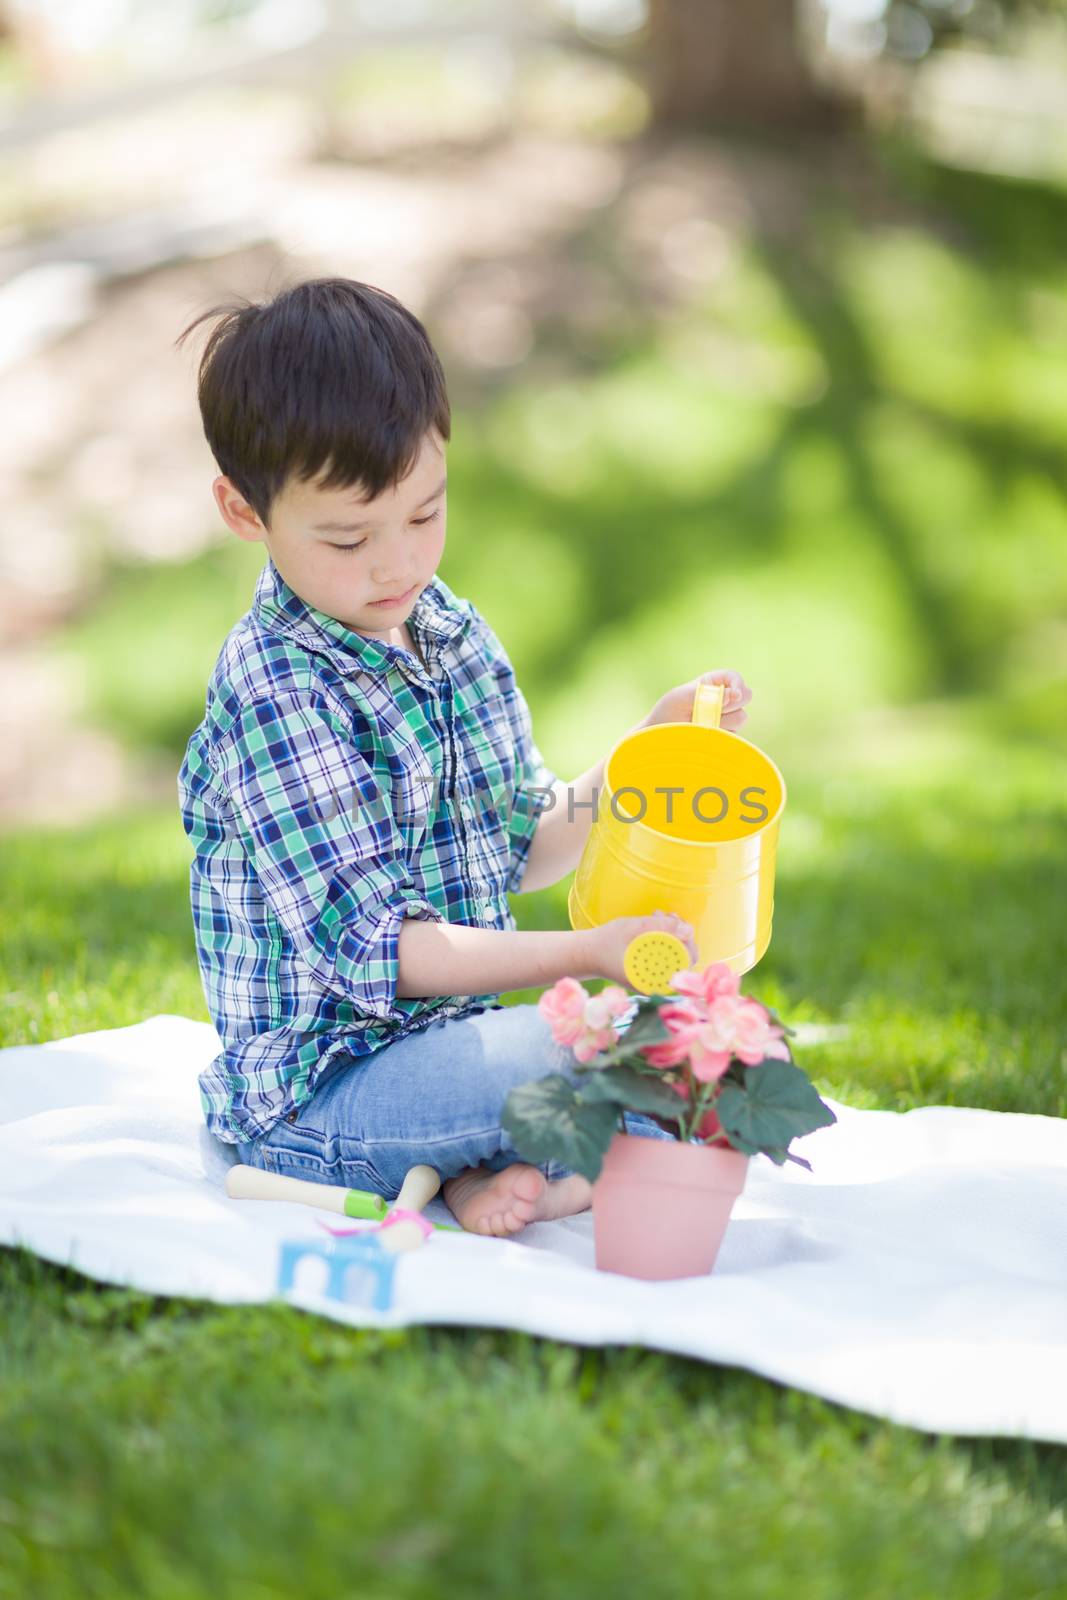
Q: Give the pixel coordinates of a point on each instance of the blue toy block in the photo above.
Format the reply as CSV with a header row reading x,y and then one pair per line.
x,y
359,1270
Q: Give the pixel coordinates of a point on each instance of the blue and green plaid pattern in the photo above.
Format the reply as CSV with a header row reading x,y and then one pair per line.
x,y
335,786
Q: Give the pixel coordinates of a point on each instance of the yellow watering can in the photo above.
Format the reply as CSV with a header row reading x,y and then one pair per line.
x,y
687,822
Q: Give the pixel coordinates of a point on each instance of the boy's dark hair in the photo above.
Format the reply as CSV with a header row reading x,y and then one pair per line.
x,y
328,374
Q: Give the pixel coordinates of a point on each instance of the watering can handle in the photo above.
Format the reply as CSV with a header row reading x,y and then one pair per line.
x,y
707,704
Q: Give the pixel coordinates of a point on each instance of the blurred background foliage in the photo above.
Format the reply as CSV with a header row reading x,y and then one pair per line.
x,y
755,322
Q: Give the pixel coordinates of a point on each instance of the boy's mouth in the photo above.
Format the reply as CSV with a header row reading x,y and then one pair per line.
x,y
398,599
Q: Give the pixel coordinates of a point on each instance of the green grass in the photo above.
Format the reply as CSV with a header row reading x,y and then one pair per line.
x,y
177,1449
157,1447
839,472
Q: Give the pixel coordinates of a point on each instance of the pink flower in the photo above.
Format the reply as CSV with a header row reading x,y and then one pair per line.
x,y
678,1019
721,1026
562,1007
708,1056
694,1038
582,1021
756,1037
709,1035
707,983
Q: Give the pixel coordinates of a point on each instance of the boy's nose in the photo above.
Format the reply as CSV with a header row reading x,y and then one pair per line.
x,y
387,582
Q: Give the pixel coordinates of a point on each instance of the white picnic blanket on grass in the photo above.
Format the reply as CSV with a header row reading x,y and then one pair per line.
x,y
918,1273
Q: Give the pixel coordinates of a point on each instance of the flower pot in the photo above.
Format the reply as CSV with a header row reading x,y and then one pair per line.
x,y
660,1208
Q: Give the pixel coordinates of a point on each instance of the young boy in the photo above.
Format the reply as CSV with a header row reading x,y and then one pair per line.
x,y
364,788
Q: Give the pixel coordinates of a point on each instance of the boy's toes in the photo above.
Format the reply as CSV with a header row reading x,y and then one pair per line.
x,y
498,1203
527,1187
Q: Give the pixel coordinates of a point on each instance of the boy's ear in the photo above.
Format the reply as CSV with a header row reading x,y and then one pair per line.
x,y
236,512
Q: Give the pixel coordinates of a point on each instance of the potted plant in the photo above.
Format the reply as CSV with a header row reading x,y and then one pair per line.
x,y
705,1062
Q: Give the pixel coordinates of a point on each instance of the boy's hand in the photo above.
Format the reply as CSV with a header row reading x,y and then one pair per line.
x,y
608,942
677,704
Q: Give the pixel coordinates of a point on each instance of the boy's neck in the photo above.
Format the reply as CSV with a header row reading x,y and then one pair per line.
x,y
406,641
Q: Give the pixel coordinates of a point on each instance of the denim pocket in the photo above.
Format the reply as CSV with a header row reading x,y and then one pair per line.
x,y
287,1143
294,1151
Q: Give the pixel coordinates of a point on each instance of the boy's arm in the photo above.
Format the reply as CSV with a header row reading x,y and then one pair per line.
x,y
562,829
451,959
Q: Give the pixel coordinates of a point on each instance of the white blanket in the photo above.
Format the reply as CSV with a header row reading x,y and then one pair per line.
x,y
919,1272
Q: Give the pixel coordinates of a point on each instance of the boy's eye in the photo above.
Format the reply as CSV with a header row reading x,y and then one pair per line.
x,y
419,523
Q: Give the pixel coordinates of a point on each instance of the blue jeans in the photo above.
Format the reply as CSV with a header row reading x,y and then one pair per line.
x,y
435,1096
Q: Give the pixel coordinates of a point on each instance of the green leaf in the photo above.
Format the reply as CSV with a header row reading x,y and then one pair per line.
x,y
776,1102
780,1157
634,1091
789,1156
775,1155
605,1058
546,1121
647,1027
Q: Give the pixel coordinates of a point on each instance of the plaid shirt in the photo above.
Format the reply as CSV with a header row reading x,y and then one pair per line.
x,y
335,786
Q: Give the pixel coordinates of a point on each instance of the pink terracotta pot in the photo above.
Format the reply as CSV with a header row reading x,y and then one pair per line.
x,y
660,1207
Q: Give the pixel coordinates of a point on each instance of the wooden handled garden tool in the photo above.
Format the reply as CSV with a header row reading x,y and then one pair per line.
x,y
417,1190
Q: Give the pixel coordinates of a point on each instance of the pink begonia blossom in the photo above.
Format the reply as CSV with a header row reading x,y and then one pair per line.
x,y
709,1029
756,1036
708,1055
710,1025
681,1020
583,1021
707,983
562,1007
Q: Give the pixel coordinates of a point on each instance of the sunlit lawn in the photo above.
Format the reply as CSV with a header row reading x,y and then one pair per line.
x,y
158,1447
841,476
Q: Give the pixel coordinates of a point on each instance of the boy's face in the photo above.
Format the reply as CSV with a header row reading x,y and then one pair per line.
x,y
398,539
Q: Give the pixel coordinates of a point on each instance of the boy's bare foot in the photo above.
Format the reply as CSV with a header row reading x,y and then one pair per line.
x,y
500,1203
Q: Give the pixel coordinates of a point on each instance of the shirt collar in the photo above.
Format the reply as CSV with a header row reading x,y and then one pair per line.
x,y
436,619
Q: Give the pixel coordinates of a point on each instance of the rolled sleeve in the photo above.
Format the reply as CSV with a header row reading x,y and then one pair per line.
x,y
367,958
324,845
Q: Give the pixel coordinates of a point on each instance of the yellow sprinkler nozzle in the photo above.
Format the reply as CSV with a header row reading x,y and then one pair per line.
x,y
652,959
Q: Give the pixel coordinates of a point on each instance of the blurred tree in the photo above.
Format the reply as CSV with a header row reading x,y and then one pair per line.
x,y
738,62
745,62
